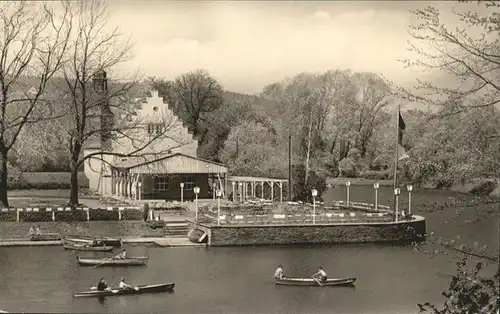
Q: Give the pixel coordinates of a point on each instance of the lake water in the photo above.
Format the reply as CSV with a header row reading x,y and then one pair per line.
x,y
391,279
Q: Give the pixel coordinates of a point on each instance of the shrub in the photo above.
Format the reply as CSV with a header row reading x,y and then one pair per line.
x,y
483,188
354,154
8,216
103,214
382,162
347,168
132,214
72,215
375,175
41,215
301,191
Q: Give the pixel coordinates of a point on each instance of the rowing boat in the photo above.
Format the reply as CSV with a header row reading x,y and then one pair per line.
x,y
129,261
86,247
291,281
165,287
115,242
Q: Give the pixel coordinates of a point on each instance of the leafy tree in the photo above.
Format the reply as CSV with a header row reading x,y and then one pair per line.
x,y
252,149
301,191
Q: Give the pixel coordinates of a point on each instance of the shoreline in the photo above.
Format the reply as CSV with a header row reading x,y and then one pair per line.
x,y
157,241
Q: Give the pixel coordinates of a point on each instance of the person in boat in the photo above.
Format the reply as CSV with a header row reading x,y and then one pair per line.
x,y
37,230
320,275
278,274
123,285
121,255
102,285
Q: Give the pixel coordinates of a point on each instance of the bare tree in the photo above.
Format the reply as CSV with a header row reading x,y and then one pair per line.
x,y
468,54
102,111
193,96
32,48
372,97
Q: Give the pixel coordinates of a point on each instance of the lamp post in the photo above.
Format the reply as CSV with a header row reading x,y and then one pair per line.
x,y
240,185
182,192
234,191
397,191
196,191
409,188
314,193
219,193
348,184
376,186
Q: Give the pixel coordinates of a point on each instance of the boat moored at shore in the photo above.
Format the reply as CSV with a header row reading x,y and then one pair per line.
x,y
107,241
68,245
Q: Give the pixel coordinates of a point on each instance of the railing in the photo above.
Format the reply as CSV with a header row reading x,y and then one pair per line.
x,y
36,214
324,218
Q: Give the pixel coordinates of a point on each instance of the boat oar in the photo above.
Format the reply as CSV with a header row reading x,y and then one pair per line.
x,y
315,279
106,261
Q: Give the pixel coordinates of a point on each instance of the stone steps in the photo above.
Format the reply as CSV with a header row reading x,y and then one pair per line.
x,y
177,229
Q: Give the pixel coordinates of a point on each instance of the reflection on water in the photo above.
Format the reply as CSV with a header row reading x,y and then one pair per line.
x,y
390,279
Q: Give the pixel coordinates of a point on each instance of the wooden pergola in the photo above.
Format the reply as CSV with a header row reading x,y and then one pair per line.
x,y
247,186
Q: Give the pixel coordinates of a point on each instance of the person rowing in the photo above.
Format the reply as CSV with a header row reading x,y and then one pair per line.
x,y
102,285
123,285
320,275
121,255
278,274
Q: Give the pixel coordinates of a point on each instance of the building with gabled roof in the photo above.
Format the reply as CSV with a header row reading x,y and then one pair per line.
x,y
147,153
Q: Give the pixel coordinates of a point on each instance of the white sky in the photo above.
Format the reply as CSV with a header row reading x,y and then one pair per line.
x,y
247,45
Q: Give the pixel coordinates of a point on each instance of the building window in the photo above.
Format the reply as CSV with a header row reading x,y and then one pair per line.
x,y
155,128
159,129
161,184
188,183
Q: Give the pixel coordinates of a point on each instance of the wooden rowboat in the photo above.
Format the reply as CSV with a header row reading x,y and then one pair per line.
x,y
129,261
165,287
291,281
107,241
86,247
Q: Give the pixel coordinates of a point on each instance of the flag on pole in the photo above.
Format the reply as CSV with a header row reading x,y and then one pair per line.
x,y
401,128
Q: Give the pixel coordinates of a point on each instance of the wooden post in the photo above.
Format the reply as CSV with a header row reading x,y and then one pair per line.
x,y
262,192
272,191
17,214
88,213
53,216
281,192
119,214
396,157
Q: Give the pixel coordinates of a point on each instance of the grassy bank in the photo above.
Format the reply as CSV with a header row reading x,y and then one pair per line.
x,y
46,180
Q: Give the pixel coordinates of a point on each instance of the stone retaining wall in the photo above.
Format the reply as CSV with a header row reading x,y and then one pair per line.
x,y
413,230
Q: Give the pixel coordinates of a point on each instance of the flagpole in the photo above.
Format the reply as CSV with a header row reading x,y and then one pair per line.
x,y
396,157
